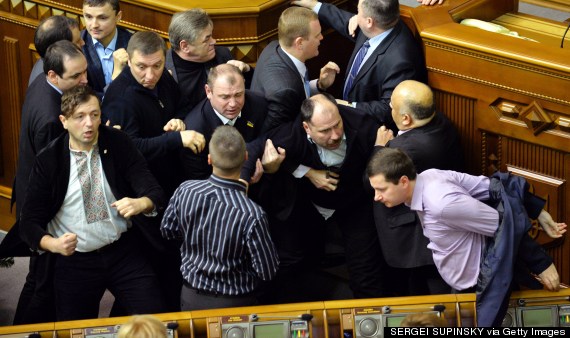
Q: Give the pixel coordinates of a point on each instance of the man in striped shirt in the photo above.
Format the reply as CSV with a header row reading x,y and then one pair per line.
x,y
226,249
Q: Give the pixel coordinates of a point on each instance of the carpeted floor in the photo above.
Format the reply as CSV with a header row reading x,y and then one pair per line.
x,y
11,282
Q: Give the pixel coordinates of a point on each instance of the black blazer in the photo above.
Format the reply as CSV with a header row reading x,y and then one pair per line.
x,y
40,125
397,58
95,75
142,114
126,172
204,120
435,145
360,130
277,78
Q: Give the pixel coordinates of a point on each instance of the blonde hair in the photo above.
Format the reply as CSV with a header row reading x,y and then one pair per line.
x,y
142,326
423,320
293,23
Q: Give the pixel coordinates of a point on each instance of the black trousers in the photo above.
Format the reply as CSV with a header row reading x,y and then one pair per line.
x,y
81,279
300,244
192,299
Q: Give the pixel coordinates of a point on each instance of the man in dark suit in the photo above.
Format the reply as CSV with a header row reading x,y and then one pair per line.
x,y
194,52
390,54
229,103
281,74
431,141
50,30
65,67
146,102
322,179
105,43
86,190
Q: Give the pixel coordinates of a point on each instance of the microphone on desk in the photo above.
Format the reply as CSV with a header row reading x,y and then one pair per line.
x,y
305,316
438,308
564,36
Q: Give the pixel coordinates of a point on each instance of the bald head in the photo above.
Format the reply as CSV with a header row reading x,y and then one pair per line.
x,y
412,104
322,121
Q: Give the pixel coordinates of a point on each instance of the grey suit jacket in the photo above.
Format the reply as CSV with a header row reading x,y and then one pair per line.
x,y
277,78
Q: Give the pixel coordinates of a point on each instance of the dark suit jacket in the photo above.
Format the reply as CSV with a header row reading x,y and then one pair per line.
x,y
142,114
397,58
204,120
40,125
435,145
360,130
125,170
95,75
278,79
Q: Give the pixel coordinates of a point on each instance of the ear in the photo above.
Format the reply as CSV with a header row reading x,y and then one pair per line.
x,y
407,120
298,43
208,91
183,45
404,181
209,159
307,129
52,77
246,155
119,16
63,121
369,22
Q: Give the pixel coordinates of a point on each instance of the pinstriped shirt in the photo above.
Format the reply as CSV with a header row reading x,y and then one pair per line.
x,y
226,245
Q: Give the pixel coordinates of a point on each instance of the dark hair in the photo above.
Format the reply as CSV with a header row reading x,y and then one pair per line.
x,y
146,43
187,25
53,29
384,12
392,163
100,3
309,104
227,149
75,96
56,54
419,110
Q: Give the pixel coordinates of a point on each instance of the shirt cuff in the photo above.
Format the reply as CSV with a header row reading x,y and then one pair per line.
x,y
153,213
317,7
301,171
313,87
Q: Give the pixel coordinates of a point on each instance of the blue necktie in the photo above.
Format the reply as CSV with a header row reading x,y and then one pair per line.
x,y
355,67
306,83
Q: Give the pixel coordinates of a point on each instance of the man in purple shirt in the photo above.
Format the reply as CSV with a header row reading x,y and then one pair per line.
x,y
454,218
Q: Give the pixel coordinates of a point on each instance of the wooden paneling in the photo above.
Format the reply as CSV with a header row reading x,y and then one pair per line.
x,y
562,5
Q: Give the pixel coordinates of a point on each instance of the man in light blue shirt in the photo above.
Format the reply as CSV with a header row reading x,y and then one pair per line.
x,y
385,53
105,43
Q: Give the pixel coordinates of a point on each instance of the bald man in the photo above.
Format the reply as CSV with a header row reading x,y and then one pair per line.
x,y
431,141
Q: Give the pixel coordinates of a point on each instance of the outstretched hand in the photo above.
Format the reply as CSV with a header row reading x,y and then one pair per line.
x,y
328,74
352,25
552,228
304,3
550,278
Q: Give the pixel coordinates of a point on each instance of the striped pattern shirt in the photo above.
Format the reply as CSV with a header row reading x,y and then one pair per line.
x,y
226,245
